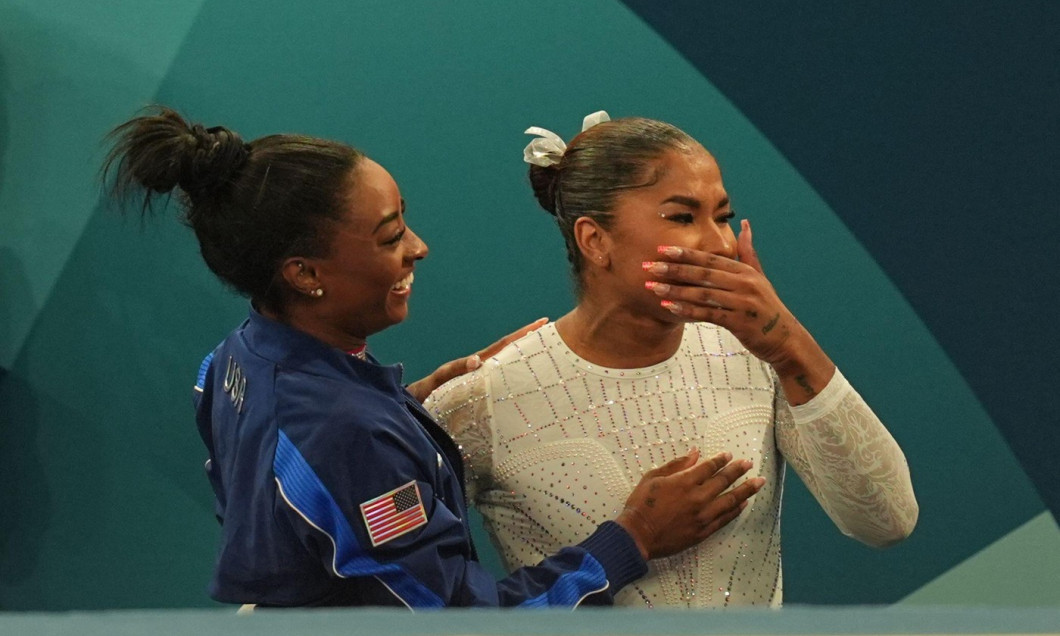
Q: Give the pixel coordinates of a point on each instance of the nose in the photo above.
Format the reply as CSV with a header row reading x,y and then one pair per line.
x,y
417,249
719,239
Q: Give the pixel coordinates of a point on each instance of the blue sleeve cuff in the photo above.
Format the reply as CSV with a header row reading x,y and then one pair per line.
x,y
617,552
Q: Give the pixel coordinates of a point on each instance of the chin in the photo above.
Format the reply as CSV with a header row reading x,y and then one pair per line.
x,y
398,316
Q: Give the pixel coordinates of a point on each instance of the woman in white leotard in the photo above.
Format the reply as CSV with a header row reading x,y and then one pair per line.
x,y
677,340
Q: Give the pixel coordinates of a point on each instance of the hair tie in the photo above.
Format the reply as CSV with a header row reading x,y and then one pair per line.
x,y
216,157
547,150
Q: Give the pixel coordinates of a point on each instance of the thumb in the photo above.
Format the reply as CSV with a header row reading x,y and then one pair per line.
x,y
745,249
675,465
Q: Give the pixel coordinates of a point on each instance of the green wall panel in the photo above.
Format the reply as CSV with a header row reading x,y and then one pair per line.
x,y
66,68
1018,570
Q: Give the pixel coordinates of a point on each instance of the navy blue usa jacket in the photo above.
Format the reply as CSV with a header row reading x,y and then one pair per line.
x,y
335,487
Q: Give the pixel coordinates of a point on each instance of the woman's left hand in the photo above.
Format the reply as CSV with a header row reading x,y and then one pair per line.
x,y
736,295
422,388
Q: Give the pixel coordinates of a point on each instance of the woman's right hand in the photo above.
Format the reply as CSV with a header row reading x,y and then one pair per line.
x,y
683,502
420,389
736,294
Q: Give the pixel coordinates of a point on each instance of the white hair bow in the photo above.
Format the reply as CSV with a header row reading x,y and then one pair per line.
x,y
548,148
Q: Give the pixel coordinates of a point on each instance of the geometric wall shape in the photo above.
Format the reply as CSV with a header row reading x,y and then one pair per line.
x,y
930,129
65,69
1019,569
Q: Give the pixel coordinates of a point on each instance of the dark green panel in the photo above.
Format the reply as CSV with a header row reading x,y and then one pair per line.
x,y
113,508
66,69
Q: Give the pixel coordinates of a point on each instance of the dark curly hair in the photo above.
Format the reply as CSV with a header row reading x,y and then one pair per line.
x,y
251,205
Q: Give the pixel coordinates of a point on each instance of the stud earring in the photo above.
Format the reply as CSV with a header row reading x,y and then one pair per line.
x,y
318,292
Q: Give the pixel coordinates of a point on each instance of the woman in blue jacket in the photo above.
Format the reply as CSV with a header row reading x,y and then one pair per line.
x,y
333,485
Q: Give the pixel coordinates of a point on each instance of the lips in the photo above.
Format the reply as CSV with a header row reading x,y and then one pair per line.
x,y
404,284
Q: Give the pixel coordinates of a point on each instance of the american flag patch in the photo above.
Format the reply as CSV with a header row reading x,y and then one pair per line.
x,y
391,515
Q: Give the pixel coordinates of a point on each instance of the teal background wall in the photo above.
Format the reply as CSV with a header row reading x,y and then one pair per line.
x,y
919,255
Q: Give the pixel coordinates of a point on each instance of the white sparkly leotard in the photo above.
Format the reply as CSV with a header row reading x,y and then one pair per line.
x,y
554,445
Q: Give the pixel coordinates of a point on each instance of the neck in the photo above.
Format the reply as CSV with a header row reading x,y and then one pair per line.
x,y
610,335
308,321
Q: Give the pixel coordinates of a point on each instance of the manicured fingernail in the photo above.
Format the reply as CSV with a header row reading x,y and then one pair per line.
x,y
669,250
655,267
748,464
672,306
659,288
474,362
758,482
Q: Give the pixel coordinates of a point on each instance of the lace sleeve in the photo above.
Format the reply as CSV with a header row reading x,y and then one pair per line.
x,y
850,462
461,406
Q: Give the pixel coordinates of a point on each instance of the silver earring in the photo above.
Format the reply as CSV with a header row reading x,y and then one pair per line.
x,y
318,292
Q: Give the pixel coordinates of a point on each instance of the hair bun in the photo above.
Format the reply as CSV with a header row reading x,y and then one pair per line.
x,y
161,151
543,179
213,157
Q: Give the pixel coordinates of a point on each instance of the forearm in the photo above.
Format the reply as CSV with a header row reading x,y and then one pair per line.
x,y
851,464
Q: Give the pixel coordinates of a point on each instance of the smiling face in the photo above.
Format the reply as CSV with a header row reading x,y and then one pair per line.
x,y
367,275
685,205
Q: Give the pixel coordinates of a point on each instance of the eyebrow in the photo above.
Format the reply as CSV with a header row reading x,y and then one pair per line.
x,y
685,201
695,204
390,217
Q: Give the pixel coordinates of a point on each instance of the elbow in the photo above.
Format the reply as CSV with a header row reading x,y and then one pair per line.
x,y
894,537
901,525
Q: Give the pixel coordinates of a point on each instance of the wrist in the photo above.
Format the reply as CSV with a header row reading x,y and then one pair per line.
x,y
805,372
422,388
638,528
800,355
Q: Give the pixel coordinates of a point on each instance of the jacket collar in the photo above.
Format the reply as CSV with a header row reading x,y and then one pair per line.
x,y
290,348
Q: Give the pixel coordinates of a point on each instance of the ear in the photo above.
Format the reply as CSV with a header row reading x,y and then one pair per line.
x,y
593,241
301,274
